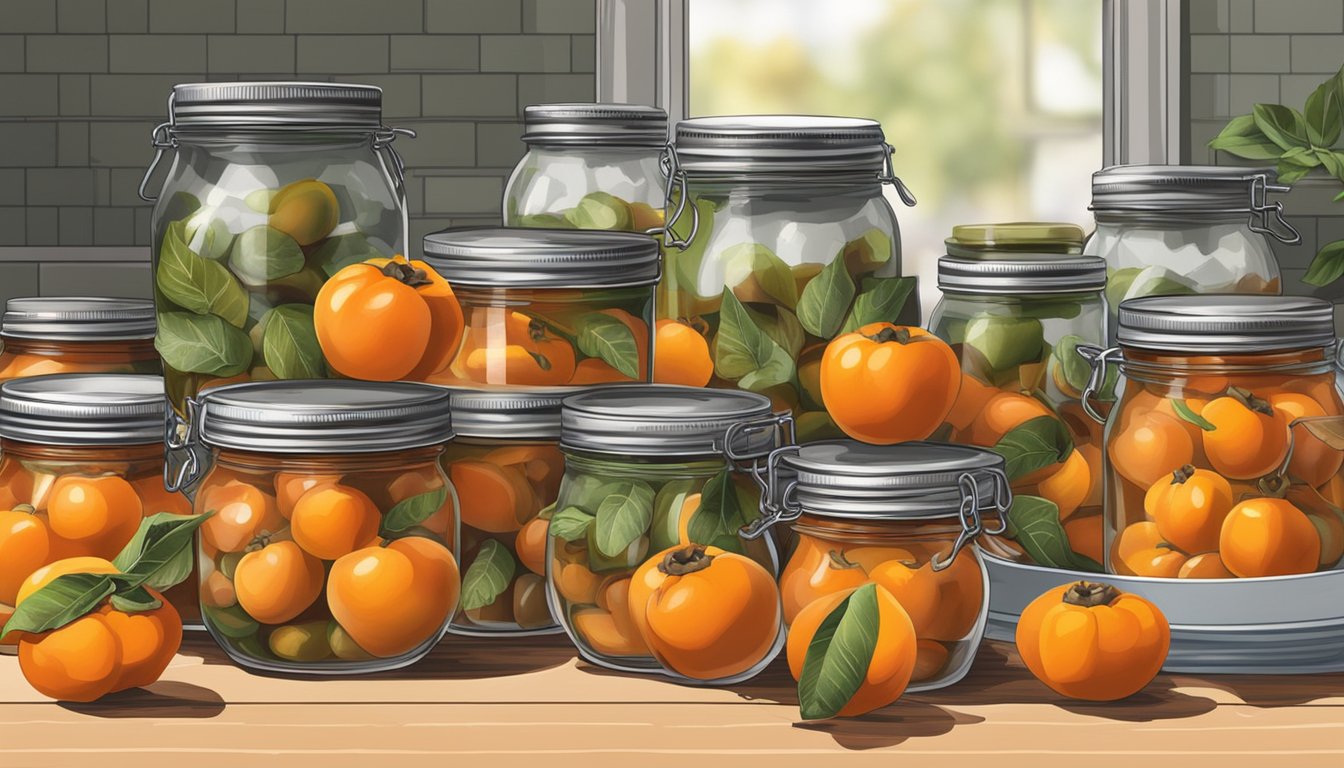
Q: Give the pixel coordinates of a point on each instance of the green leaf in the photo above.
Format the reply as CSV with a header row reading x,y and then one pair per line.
x,y
62,601
541,220
683,267
883,300
745,352
230,622
488,576
136,600
196,284
1282,125
719,519
1034,523
837,659
1290,173
607,338
1075,370
202,344
1301,156
826,299
408,513
1005,342
599,210
160,554
1324,111
337,253
623,516
665,530
264,253
1034,444
289,343
1328,265
571,524
867,251
1188,414
782,326
756,271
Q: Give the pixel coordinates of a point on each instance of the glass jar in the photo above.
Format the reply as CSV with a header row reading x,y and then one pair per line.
x,y
766,204
548,307
506,465
1170,230
1017,302
59,334
274,187
589,166
1222,455
79,447
904,516
649,470
333,546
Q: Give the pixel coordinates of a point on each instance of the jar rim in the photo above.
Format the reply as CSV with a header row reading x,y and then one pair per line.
x,y
594,124
802,145
77,409
517,257
275,105
666,420
1225,323
532,413
78,318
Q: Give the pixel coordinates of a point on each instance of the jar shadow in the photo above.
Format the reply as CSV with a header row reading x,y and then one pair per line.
x,y
165,699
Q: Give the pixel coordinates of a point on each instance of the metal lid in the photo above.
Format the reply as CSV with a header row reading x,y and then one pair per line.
x,y
1167,188
509,413
263,105
628,125
316,417
1226,324
664,420
542,258
83,409
782,144
69,318
1022,274
1015,237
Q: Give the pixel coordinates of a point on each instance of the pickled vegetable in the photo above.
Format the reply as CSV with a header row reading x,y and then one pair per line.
x,y
596,210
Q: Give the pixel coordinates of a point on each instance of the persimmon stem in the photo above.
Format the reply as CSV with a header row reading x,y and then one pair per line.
x,y
684,560
1186,472
898,335
404,272
1248,399
1089,594
839,562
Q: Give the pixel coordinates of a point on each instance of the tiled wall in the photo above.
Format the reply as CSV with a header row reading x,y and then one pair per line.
x,y
83,82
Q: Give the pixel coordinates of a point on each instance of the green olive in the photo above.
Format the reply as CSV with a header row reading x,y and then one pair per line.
x,y
228,563
343,646
305,210
230,622
530,610
301,642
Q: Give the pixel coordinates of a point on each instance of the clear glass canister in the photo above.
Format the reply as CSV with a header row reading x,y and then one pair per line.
x,y
274,187
546,307
766,204
506,465
332,548
1018,300
83,455
1170,230
904,516
1223,456
589,166
653,472
59,334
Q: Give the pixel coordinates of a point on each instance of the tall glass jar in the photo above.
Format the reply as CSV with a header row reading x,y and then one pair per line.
x,y
1171,230
767,203
545,307
1017,303
1222,453
650,470
905,516
589,166
332,548
60,334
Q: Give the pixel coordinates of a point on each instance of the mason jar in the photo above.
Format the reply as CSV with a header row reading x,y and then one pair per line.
x,y
68,334
905,516
765,204
506,465
589,166
650,470
332,546
544,307
1172,230
1222,456
1018,300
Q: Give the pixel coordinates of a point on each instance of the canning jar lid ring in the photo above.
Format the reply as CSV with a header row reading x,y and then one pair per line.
x,y
781,144
263,105
78,318
1166,189
662,420
1225,323
531,413
597,124
1025,273
79,409
517,257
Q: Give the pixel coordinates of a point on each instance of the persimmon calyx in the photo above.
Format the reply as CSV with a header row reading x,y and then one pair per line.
x,y
1248,399
684,560
265,537
841,563
1089,594
1186,472
405,273
898,335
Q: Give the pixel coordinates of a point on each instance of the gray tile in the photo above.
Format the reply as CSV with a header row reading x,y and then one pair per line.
x,y
524,53
463,194
261,16
125,182
577,16
1208,95
1299,16
119,144
72,143
540,89
583,57
127,16
251,53
1294,89
11,186
144,225
59,186
1241,15
156,53
76,226
458,16
1208,53
1201,132
1208,16
1260,53
420,226
11,53
41,226
81,16
353,16
1249,90
27,145
99,279
27,95
1321,54
114,226
401,94
499,145
29,16
12,232
439,144
415,193
67,53
436,53
102,186
343,53
135,95
17,280
191,16
469,95
74,94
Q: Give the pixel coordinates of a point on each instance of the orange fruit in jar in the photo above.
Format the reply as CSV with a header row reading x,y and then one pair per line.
x,y
1249,439
1205,566
543,465
943,605
530,545
16,484
1312,462
1069,485
334,520
531,353
614,598
242,513
1140,550
277,582
1092,455
930,660
1149,446
495,498
1329,525
392,599
1268,537
1001,414
417,483
595,370
681,355
1189,507
97,515
575,583
1086,536
154,498
815,571
598,629
290,487
970,402
25,546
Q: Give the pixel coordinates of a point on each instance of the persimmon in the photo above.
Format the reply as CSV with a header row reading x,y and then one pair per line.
x,y
25,546
1189,507
1149,446
1085,536
277,582
494,498
1249,438
306,210
971,399
681,355
542,464
1204,566
943,605
76,662
334,520
1268,537
614,598
1140,550
63,567
886,383
290,486
387,320
1068,485
242,513
825,572
528,354
1001,414
1312,461
16,485
97,515
530,545
930,660
217,590
598,629
1092,455
418,482
393,598
154,498
148,640
1091,641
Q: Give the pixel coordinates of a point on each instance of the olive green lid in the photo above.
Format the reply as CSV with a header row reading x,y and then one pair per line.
x,y
1015,236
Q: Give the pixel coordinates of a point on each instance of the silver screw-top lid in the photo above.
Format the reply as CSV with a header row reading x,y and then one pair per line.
x,y
260,105
608,125
1176,188
83,409
542,258
69,318
509,413
664,420
322,417
1226,324
1024,274
783,144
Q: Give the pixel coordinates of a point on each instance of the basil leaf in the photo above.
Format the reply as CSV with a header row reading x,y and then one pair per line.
x,y
1187,414
1034,444
623,516
837,659
883,300
826,299
160,555
1324,111
755,273
1332,162
62,601
488,576
744,352
196,284
599,210
610,340
337,253
1034,523
1327,266
202,344
264,253
719,519
408,513
1243,138
571,524
1282,125
136,600
289,343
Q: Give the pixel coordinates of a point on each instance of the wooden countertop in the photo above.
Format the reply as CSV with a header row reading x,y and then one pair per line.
x,y
529,702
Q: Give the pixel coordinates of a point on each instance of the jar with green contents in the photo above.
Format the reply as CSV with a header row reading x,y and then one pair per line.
x,y
791,243
1018,301
589,166
67,334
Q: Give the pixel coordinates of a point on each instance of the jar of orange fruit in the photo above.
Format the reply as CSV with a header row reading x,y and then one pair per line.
x,y
1223,452
332,543
82,467
506,465
904,516
546,307
58,334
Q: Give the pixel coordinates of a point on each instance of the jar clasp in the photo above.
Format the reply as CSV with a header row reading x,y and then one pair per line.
x,y
888,176
779,498
676,178
182,440
1098,358
972,525
1267,218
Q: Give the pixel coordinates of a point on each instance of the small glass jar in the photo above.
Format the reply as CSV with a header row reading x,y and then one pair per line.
x,y
1171,230
1018,300
905,516
672,454
1213,469
767,203
506,465
589,166
546,307
333,545
81,448
58,334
